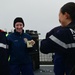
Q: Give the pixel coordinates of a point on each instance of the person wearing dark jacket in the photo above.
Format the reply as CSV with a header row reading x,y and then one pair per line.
x,y
4,67
57,55
62,42
20,60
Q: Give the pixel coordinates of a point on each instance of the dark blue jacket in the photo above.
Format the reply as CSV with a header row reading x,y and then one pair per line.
x,y
18,50
4,69
62,43
57,57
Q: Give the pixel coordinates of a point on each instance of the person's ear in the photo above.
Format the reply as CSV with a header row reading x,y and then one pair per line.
x,y
67,16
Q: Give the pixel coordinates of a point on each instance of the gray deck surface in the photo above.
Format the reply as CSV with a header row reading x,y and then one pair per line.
x,y
45,70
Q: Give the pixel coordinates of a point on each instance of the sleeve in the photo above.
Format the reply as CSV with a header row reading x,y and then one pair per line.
x,y
53,31
9,44
3,41
3,47
50,33
54,43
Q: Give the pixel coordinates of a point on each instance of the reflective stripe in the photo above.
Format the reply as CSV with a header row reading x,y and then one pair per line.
x,y
71,31
7,34
62,44
72,45
3,45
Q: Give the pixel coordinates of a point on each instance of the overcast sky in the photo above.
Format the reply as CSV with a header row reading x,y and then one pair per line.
x,y
38,15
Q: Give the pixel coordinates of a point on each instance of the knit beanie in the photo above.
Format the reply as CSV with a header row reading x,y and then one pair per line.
x,y
18,19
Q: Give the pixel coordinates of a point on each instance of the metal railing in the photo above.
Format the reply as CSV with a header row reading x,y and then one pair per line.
x,y
45,59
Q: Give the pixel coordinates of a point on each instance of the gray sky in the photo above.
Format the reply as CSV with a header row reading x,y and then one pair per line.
x,y
40,15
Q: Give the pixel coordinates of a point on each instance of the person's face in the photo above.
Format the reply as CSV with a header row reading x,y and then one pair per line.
x,y
62,18
19,27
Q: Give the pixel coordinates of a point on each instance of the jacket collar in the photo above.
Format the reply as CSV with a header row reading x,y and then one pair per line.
x,y
71,25
17,33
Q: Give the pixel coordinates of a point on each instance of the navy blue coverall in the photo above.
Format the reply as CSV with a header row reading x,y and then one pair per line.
x,y
4,67
62,43
20,59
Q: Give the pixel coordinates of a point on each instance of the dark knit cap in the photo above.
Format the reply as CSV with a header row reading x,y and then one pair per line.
x,y
18,19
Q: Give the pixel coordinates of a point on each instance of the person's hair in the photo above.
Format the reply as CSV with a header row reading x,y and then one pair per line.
x,y
69,8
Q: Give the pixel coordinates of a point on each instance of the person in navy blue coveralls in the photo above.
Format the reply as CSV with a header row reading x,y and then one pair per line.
x,y
61,41
20,60
4,67
57,55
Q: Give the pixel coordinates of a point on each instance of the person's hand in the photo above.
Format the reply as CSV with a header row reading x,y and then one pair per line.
x,y
32,42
